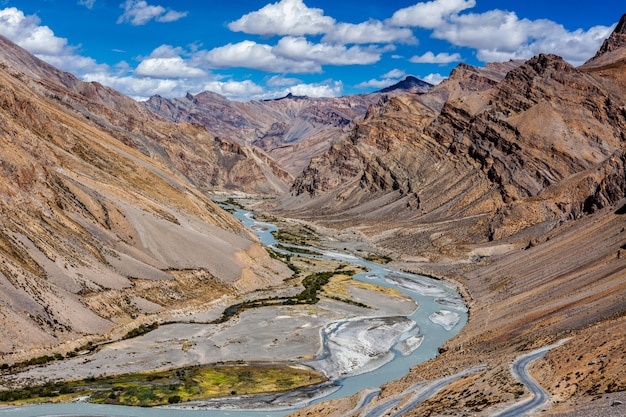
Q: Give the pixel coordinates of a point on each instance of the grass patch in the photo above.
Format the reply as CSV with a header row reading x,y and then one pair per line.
x,y
302,251
169,387
379,259
141,330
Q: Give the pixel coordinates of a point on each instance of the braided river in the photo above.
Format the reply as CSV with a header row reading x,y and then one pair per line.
x,y
356,353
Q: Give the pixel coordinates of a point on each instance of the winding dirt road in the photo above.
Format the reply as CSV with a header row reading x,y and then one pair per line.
x,y
520,371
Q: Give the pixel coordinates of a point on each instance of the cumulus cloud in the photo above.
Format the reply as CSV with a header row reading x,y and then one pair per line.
x,y
289,55
286,17
385,80
501,35
141,88
434,79
394,73
173,67
139,12
280,81
431,14
247,90
249,54
373,31
41,41
236,90
298,48
327,88
27,33
440,58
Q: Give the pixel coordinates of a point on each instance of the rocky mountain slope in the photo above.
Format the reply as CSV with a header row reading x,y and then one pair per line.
x,y
536,236
291,129
536,146
103,216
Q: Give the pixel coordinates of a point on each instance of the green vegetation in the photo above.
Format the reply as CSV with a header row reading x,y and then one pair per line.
x,y
294,233
380,259
302,251
141,330
285,258
170,387
312,283
232,202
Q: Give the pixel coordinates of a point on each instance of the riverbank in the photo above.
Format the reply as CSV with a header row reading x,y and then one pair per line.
x,y
356,327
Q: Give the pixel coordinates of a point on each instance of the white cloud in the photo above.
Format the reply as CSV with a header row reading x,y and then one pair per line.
x,y
440,58
394,73
141,88
87,3
286,17
376,83
75,64
249,54
385,80
41,41
434,79
299,49
173,67
27,33
290,55
324,89
235,90
431,14
280,81
373,31
500,35
139,12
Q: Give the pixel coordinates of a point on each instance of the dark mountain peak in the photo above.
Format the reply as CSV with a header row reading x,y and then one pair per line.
x,y
289,96
411,85
617,39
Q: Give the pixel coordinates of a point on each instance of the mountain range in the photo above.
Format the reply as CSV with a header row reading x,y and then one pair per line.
x,y
509,180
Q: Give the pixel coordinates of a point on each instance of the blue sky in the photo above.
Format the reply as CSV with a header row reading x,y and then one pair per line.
x,y
255,49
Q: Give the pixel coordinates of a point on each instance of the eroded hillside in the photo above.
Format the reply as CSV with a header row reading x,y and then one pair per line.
x,y
103,216
536,237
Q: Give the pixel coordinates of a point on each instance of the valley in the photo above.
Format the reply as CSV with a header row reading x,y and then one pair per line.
x,y
392,253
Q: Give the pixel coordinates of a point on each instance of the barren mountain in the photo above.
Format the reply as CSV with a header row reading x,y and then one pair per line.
x,y
291,129
535,236
103,218
509,180
500,145
409,85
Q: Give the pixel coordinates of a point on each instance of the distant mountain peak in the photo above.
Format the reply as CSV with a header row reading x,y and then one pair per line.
x,y
289,96
410,84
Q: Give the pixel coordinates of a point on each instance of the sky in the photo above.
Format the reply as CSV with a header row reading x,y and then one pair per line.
x,y
259,49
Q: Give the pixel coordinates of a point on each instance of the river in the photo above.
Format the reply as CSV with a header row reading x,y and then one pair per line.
x,y
440,316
